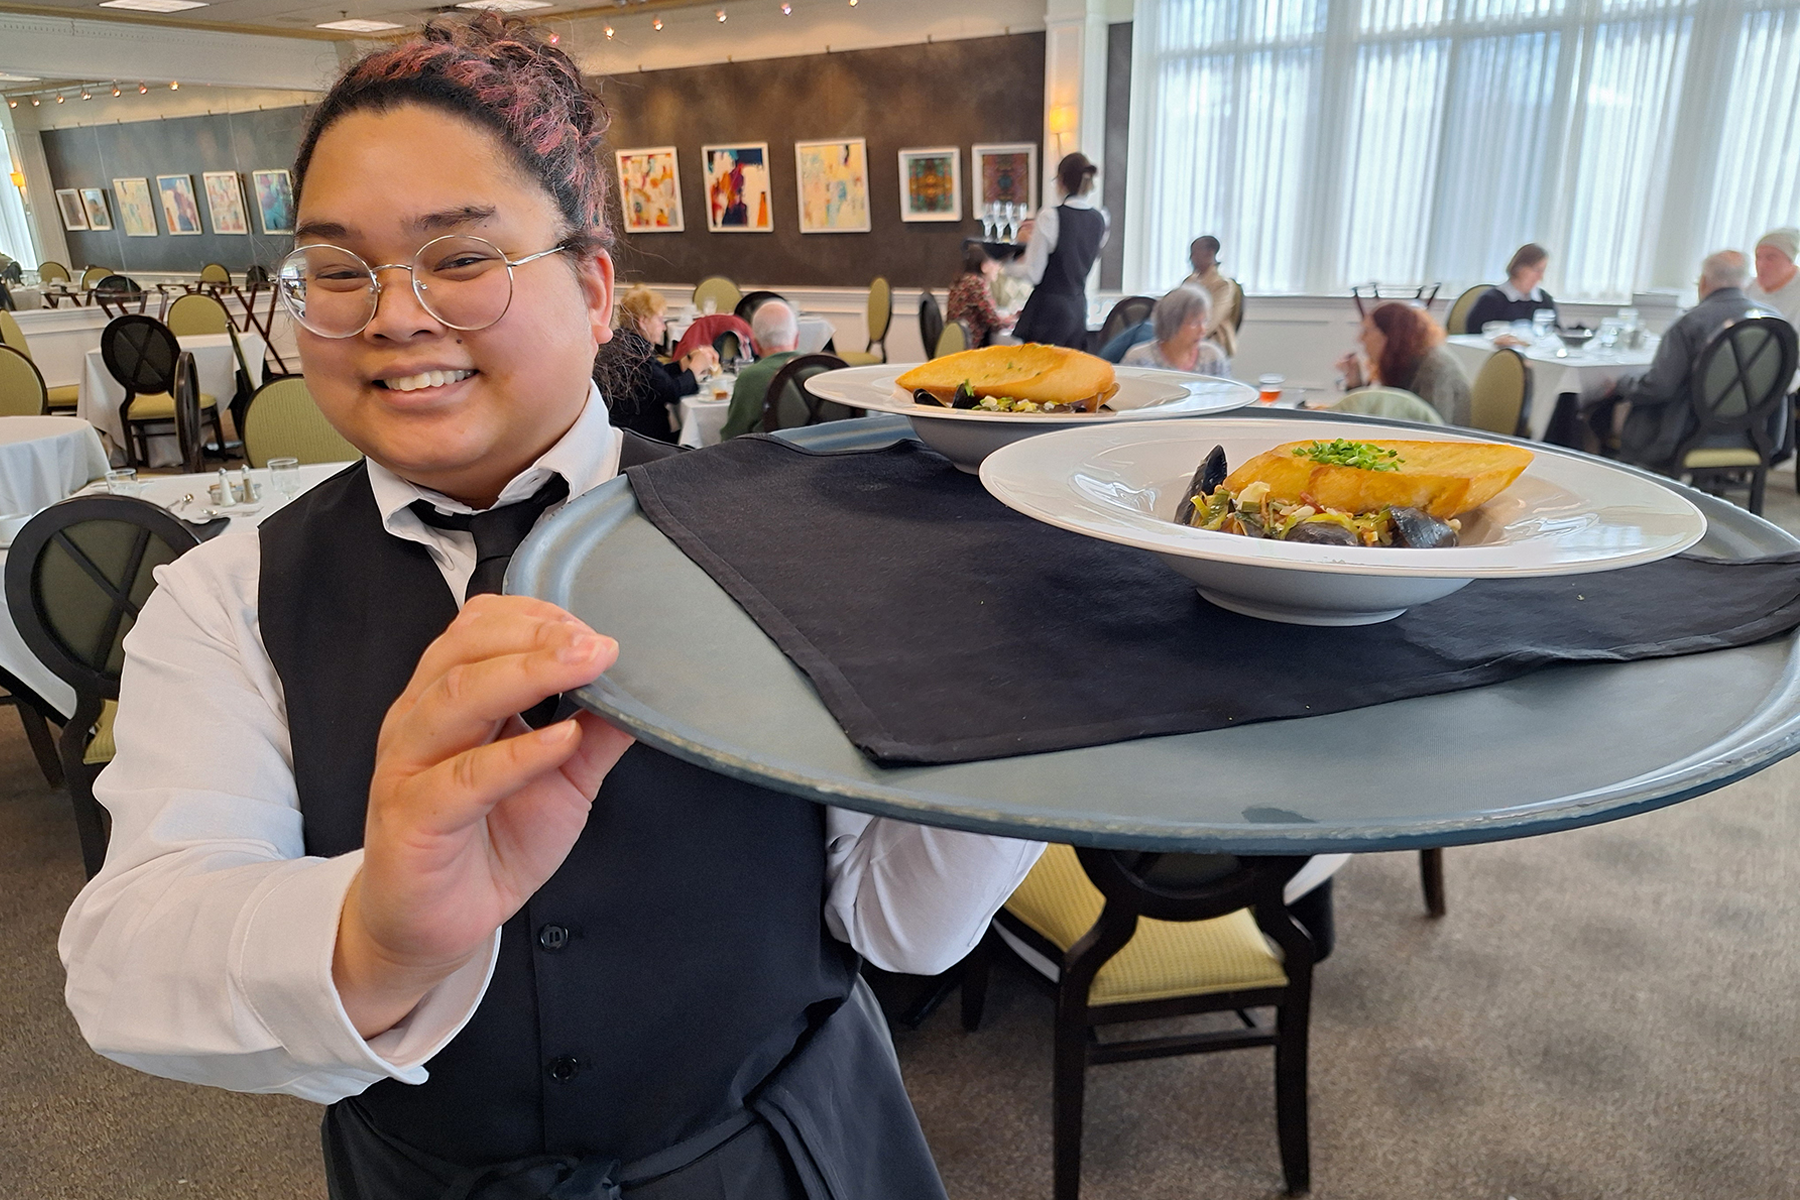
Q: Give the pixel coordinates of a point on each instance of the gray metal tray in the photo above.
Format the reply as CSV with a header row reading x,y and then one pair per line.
x,y
1557,749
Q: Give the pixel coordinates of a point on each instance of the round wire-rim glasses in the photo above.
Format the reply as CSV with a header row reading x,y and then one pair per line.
x,y
334,292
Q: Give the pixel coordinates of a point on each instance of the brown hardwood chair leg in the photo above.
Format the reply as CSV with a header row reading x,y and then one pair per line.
x,y
1431,876
975,983
1069,1081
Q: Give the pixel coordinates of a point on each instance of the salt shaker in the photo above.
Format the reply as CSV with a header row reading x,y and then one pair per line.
x,y
226,499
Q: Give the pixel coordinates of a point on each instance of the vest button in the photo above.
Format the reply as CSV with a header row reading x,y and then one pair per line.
x,y
553,937
563,1069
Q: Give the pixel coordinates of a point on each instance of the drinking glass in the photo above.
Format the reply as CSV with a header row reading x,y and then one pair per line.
x,y
1268,388
284,477
1608,336
122,482
1542,322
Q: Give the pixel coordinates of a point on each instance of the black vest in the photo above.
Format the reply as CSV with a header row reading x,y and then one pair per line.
x,y
1056,311
654,982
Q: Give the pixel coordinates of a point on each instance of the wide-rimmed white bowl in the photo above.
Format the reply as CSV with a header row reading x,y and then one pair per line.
x,y
967,436
1568,514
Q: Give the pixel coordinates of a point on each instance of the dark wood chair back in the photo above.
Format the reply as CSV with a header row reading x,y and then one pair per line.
x,y
789,405
931,323
188,430
746,308
116,295
1126,313
77,575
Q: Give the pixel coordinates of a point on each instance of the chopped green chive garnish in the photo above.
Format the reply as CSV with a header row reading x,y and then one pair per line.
x,y
1340,452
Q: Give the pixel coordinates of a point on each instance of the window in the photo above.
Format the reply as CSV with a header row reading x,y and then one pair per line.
x,y
1334,142
15,237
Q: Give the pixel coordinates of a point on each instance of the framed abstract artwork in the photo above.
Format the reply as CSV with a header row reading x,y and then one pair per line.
x,y
181,207
834,185
74,213
650,190
931,184
1005,173
274,200
94,201
737,188
137,212
225,201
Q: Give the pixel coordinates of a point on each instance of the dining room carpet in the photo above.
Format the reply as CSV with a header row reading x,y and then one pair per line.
x,y
1611,1012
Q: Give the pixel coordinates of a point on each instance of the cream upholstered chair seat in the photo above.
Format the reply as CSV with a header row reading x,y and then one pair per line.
x,y
160,406
1714,457
1396,403
64,395
100,750
1165,958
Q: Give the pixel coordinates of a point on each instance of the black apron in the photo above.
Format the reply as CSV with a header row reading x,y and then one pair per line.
x,y
670,995
1056,310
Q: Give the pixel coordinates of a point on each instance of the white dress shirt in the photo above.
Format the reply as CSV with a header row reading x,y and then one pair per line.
x,y
202,950
1515,295
1046,230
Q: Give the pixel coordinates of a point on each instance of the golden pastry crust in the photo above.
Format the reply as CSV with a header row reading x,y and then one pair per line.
x,y
1043,374
1442,478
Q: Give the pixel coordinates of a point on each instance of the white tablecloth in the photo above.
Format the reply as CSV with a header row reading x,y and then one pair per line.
x,y
27,298
703,415
1585,370
101,394
43,459
165,490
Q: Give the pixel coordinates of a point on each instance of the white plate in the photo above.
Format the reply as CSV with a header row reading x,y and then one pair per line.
x,y
966,436
1568,514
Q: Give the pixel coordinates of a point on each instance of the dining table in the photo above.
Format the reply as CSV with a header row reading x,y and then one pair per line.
x,y
214,361
186,496
43,459
701,416
1557,370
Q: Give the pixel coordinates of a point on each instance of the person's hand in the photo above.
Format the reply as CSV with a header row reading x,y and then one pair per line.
x,y
700,360
1350,366
469,810
1508,340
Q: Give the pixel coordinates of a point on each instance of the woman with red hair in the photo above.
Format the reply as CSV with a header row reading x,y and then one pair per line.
x,y
1403,348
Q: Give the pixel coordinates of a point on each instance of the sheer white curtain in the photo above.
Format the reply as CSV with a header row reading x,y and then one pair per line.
x,y
15,238
1333,142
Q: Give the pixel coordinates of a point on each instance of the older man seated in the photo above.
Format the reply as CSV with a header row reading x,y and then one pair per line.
x,y
1777,283
775,331
1660,414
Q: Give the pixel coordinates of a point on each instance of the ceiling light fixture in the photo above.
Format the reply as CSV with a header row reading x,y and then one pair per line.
x,y
86,95
609,33
505,6
555,38
787,10
657,24
357,25
11,103
174,85
721,15
155,6
35,102
115,89
142,89
60,97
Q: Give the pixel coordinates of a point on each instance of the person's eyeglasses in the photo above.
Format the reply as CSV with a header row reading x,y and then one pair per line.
x,y
464,282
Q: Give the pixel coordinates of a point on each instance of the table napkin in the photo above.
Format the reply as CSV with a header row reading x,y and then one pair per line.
x,y
940,626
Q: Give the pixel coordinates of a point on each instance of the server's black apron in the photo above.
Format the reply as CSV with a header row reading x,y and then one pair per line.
x,y
1056,310
669,997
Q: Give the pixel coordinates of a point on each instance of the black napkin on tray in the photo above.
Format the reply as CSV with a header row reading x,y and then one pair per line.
x,y
940,626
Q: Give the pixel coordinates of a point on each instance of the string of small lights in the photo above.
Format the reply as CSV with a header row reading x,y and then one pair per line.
x,y
61,92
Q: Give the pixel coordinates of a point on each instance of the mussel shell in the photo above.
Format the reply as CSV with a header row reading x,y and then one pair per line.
x,y
965,397
1322,533
1206,481
924,397
1419,530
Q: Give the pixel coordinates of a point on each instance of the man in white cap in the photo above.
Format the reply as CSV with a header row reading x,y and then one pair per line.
x,y
1777,283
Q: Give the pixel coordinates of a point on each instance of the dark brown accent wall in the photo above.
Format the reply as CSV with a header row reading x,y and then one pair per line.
x,y
942,94
95,155
1118,137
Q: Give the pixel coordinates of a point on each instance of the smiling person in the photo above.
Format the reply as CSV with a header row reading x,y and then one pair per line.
x,y
512,961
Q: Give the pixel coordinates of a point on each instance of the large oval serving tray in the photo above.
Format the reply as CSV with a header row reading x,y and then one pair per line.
x,y
1556,749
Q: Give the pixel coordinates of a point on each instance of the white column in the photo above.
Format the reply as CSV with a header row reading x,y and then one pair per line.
x,y
1074,84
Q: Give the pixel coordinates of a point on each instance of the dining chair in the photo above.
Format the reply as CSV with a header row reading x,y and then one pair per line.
x,y
1394,403
1501,393
198,313
283,421
931,323
115,294
1126,313
63,397
93,275
878,314
22,390
141,353
77,575
789,405
50,271
36,714
952,339
214,276
746,308
1738,397
721,291
1457,319
1237,314
189,435
1126,936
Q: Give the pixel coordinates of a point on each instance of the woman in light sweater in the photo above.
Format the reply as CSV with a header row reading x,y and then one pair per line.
x,y
1178,336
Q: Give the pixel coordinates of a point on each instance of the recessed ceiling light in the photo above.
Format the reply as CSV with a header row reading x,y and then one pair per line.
x,y
505,5
157,6
358,25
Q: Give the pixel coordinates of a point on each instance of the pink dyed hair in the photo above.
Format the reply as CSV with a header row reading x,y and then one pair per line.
x,y
499,73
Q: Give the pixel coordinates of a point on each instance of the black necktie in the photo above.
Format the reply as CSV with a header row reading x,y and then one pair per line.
x,y
497,532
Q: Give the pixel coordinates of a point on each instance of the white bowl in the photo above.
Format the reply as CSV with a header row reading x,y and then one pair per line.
x,y
967,436
1568,514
